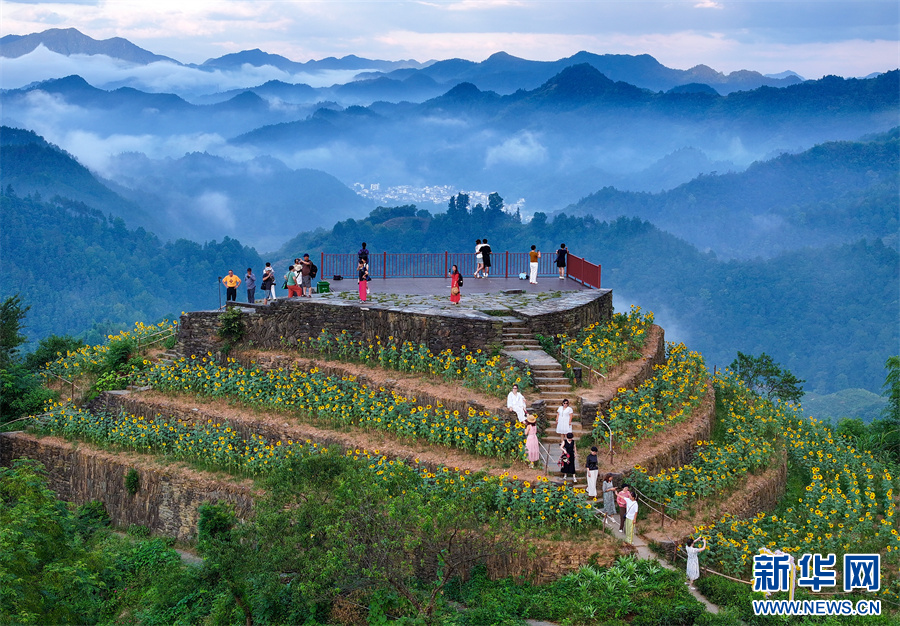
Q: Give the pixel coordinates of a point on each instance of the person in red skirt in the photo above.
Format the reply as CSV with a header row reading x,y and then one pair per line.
x,y
456,282
362,270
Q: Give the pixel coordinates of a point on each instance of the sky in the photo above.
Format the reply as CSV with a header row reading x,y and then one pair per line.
x,y
845,37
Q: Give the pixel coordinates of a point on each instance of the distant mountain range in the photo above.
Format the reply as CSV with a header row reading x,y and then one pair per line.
x,y
410,79
69,41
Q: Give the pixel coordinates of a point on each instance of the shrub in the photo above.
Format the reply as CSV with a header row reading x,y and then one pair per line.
x,y
132,481
231,327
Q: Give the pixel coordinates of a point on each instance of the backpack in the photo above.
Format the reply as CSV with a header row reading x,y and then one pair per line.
x,y
460,280
313,271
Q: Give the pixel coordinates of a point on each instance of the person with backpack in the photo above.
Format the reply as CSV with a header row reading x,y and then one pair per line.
x,y
306,277
268,283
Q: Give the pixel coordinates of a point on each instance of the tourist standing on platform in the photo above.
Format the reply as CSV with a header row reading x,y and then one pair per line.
x,y
561,256
567,460
479,258
693,560
362,270
593,471
533,257
250,285
486,258
231,283
268,282
532,446
631,510
515,402
609,496
456,281
306,276
564,420
620,504
290,282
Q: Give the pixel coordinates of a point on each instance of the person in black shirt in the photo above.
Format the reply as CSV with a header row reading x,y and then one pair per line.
x,y
561,256
486,257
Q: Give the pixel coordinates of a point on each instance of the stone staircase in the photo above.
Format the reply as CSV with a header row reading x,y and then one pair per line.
x,y
550,381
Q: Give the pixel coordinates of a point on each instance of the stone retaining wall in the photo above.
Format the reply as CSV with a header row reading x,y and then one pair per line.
x,y
166,501
286,321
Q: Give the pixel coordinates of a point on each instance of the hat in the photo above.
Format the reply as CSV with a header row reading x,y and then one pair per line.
x,y
531,419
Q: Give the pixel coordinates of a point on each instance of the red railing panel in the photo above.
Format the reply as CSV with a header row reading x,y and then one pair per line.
x,y
437,265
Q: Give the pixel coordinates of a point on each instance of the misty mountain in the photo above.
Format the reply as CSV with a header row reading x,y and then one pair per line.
x,y
833,193
505,74
577,129
258,58
29,165
69,41
130,111
199,196
205,197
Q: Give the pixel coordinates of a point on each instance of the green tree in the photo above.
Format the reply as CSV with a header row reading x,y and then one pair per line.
x,y
892,390
495,202
767,378
11,317
45,571
51,348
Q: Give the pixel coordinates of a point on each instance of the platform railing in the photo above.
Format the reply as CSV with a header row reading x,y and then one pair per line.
x,y
583,271
504,264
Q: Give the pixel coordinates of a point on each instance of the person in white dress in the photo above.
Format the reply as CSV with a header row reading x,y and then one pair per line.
x,y
515,402
693,561
564,420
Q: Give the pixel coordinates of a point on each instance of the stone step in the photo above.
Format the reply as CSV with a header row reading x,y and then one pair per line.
x,y
550,380
545,367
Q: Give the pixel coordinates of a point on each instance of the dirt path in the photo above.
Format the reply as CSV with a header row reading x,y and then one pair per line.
x,y
643,551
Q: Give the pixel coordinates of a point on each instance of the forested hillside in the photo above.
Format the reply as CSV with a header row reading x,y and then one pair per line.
x,y
833,193
828,314
81,270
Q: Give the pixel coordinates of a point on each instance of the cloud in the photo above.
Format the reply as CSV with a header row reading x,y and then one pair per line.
x,y
161,77
523,149
216,206
95,152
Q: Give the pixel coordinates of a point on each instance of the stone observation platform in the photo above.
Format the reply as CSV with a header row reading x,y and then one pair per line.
x,y
416,310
